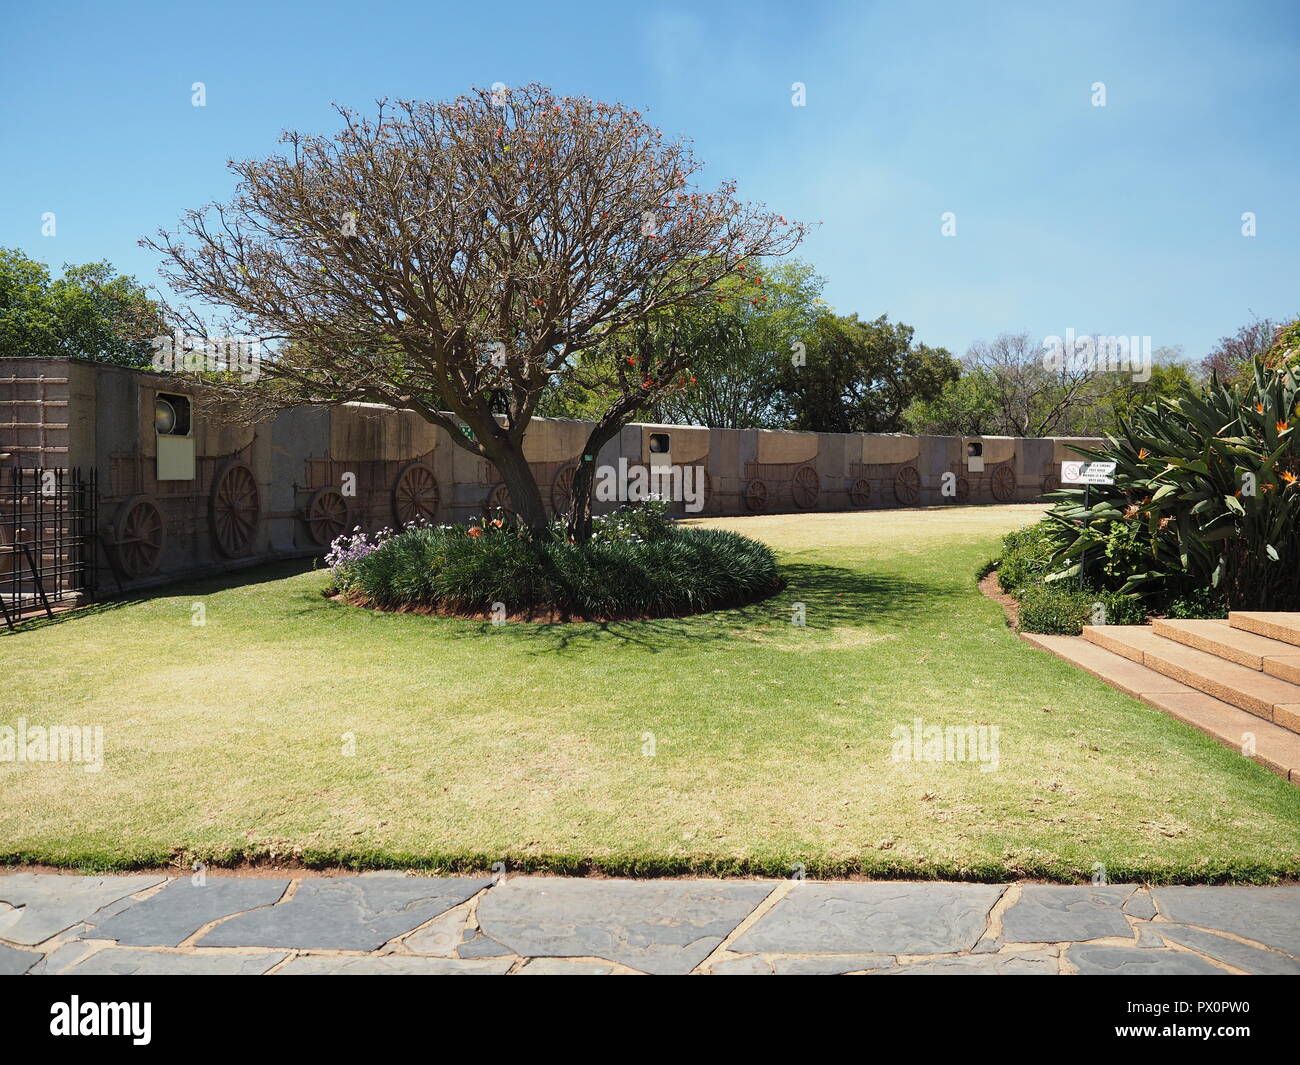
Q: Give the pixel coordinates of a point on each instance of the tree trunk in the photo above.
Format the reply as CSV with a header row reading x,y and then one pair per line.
x,y
584,481
525,496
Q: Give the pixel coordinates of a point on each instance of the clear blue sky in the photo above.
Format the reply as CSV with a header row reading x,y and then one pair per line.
x,y
1117,220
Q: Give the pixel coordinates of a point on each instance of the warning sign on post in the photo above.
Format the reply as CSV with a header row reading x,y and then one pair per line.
x,y
1087,473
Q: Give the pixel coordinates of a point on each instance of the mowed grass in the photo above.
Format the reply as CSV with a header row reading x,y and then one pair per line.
x,y
730,743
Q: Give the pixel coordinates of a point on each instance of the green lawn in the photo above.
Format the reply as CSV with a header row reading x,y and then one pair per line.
x,y
524,743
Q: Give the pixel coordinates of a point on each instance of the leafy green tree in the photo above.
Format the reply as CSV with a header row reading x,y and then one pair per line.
x,y
860,377
91,312
965,407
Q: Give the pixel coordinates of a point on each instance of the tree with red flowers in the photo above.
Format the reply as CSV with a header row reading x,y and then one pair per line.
x,y
456,259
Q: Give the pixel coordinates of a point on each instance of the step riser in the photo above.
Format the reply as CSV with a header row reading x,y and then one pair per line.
x,y
1284,627
1210,646
1151,658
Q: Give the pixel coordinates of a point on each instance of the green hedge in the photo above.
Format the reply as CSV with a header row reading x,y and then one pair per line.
x,y
468,570
1063,610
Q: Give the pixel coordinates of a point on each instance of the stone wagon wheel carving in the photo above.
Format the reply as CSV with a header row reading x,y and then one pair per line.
x,y
235,511
141,536
756,496
860,492
415,494
1051,482
1004,484
907,485
562,491
326,515
498,499
961,490
805,488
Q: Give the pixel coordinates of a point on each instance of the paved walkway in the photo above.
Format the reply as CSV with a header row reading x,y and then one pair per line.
x,y
392,923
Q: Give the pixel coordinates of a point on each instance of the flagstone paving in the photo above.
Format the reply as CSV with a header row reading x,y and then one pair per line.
x,y
392,924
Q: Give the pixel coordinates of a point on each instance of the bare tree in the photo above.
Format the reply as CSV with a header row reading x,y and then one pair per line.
x,y
1232,355
455,258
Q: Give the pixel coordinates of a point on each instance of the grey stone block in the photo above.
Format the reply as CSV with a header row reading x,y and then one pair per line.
x,y
181,909
564,967
1140,906
130,961
657,926
829,964
1238,955
394,965
873,918
1029,963
345,913
1094,959
15,962
1050,913
50,902
1268,915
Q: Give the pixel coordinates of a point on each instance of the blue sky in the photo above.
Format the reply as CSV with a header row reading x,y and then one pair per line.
x,y
1123,219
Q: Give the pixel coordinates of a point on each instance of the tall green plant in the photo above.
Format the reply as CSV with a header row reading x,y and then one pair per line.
x,y
1209,480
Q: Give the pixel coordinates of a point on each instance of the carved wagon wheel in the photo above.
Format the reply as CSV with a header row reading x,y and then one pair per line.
x,y
1004,484
805,487
756,496
1051,482
562,491
499,499
907,485
326,515
860,492
235,510
961,490
415,494
141,536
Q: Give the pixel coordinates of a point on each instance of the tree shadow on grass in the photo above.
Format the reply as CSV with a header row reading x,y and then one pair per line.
x,y
184,587
832,597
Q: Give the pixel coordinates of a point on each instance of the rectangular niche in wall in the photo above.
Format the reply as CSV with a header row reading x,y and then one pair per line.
x,y
174,431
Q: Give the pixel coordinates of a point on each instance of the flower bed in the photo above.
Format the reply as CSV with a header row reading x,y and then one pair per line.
x,y
638,565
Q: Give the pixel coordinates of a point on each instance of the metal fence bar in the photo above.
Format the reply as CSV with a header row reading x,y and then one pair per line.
x,y
48,525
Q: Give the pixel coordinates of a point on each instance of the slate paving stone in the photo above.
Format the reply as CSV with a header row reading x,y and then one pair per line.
x,y
1238,955
1051,913
395,965
441,937
50,902
182,908
882,918
130,961
829,965
657,926
14,962
1140,906
752,965
1026,964
482,947
1095,959
1268,915
564,967
345,913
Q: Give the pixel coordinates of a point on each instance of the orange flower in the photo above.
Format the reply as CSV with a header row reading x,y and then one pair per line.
x,y
475,531
1259,408
1143,452
1288,476
497,523
1281,427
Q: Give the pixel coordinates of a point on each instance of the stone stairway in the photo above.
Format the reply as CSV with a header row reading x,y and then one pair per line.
x,y
1236,680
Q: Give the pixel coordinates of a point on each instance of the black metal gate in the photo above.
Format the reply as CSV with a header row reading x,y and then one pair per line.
x,y
48,528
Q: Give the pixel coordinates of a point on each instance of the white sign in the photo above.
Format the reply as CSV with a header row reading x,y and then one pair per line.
x,y
1087,473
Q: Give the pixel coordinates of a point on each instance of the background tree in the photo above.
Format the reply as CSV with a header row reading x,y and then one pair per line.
x,y
1233,357
91,312
455,259
860,377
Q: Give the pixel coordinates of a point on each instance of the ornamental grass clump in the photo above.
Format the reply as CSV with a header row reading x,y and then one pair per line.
x,y
639,564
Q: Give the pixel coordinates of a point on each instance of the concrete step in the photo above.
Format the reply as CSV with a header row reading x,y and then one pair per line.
x,y
1265,696
1272,746
1217,637
1275,624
